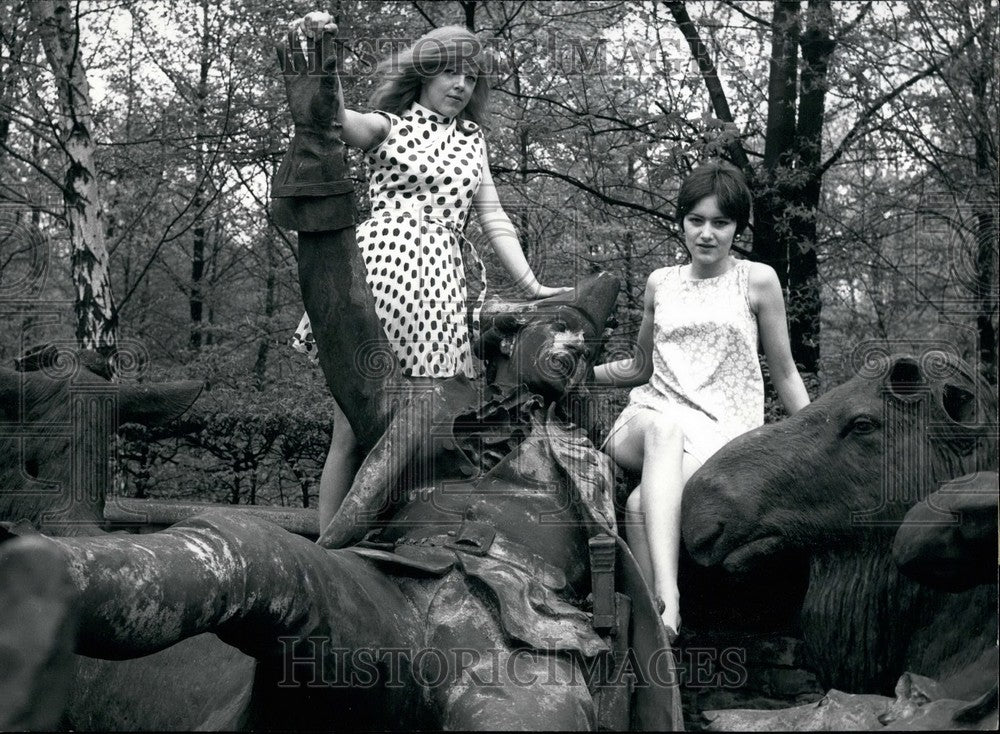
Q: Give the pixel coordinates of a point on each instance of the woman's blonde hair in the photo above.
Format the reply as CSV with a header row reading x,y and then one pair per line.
x,y
404,74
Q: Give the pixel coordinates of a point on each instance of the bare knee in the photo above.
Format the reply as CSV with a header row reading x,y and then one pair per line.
x,y
634,502
662,429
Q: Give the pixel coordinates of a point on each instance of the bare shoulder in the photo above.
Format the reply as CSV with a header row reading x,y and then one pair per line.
x,y
652,283
657,276
763,284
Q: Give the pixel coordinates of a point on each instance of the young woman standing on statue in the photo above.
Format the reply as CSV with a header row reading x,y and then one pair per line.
x,y
428,166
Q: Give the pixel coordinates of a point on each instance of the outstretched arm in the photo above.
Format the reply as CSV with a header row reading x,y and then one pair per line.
x,y
500,231
638,369
768,303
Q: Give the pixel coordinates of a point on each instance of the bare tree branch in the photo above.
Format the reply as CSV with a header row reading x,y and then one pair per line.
x,y
699,51
589,189
750,16
509,19
45,174
857,19
858,128
424,15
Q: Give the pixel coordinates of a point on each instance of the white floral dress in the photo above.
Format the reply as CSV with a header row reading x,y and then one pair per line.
x,y
422,179
706,371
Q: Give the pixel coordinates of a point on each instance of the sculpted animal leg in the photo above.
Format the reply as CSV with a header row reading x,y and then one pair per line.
x,y
246,580
36,633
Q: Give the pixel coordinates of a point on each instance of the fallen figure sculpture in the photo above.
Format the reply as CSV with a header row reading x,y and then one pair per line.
x,y
473,576
465,604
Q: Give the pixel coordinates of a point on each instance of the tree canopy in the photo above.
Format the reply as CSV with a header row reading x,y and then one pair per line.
x,y
137,142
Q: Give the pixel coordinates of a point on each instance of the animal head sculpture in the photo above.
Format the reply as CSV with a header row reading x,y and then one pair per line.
x,y
845,468
55,430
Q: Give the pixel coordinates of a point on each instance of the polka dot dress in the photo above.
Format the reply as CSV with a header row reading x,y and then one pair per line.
x,y
422,179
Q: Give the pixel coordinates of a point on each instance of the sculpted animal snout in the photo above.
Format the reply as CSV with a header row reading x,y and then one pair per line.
x,y
701,539
711,512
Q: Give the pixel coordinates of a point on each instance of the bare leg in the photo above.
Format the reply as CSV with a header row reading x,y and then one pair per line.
x,y
636,529
655,443
663,442
635,534
339,469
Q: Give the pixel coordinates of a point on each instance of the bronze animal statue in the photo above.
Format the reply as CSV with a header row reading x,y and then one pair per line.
x,y
836,481
478,586
949,539
465,606
54,452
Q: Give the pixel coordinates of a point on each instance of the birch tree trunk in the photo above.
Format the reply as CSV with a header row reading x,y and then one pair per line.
x,y
96,314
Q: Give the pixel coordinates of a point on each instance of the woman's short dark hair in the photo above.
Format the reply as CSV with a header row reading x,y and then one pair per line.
x,y
404,74
722,180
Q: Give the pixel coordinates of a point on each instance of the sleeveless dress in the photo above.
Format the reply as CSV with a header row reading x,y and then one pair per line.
x,y
706,372
422,179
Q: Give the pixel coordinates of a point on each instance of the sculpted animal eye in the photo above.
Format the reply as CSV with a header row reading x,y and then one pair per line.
x,y
863,424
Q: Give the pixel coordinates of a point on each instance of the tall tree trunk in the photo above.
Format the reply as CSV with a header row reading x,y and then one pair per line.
x,y
196,296
805,305
985,195
260,366
14,51
770,237
710,75
213,276
96,314
469,9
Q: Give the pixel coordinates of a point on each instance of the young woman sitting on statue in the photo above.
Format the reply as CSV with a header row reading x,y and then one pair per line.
x,y
697,371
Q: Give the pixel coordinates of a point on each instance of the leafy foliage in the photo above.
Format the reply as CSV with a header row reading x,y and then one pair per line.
x,y
598,111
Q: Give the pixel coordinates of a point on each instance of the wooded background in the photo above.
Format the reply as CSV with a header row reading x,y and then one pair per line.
x,y
138,139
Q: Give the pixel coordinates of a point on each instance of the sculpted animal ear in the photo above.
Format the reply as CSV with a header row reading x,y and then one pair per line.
x,y
152,405
960,404
906,379
509,323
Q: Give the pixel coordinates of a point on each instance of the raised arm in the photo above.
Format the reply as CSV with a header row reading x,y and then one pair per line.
x,y
768,303
638,369
503,238
363,130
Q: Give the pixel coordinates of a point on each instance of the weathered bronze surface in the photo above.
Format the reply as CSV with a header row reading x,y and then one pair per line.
x,y
852,481
451,590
